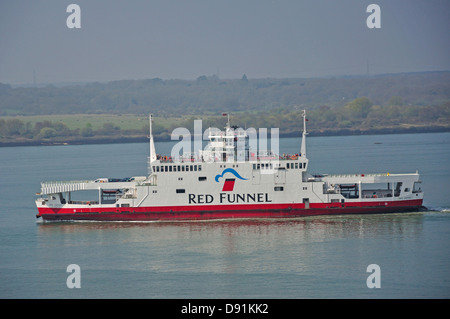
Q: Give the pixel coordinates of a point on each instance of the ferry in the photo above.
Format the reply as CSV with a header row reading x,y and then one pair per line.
x,y
229,178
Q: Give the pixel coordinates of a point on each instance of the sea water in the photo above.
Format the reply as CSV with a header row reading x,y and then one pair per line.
x,y
308,257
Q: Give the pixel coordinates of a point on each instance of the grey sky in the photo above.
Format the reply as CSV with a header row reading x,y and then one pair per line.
x,y
171,39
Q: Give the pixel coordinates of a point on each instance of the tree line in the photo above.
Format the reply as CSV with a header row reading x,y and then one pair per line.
x,y
14,128
359,115
211,95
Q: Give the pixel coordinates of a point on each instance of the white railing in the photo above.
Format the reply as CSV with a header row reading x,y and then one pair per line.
x,y
61,187
353,175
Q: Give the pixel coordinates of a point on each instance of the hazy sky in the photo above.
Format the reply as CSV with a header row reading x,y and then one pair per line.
x,y
184,39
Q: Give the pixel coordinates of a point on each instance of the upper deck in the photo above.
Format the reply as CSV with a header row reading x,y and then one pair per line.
x,y
233,145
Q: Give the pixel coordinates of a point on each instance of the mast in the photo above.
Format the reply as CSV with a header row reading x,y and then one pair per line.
x,y
303,147
152,154
228,122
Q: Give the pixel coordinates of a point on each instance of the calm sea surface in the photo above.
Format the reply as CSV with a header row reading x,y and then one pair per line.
x,y
313,257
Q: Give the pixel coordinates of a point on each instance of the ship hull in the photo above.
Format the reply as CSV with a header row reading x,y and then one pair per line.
x,y
173,213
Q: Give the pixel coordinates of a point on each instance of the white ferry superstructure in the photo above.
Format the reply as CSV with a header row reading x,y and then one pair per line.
x,y
226,180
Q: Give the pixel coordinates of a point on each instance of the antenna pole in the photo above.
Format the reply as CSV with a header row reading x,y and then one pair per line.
x,y
152,154
150,132
303,147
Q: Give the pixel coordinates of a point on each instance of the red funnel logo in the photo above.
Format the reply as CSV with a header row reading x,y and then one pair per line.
x,y
228,186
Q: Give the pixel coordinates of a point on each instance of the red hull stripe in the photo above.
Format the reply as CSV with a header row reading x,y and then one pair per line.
x,y
226,211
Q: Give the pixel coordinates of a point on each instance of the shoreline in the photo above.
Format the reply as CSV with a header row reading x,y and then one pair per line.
x,y
313,133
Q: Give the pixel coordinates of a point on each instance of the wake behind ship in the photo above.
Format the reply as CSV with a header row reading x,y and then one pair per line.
x,y
229,179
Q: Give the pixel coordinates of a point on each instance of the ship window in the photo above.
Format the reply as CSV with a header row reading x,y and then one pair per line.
x,y
296,165
254,166
352,191
180,191
170,168
278,188
125,205
287,165
417,188
157,168
179,168
166,169
195,167
199,168
398,189
202,178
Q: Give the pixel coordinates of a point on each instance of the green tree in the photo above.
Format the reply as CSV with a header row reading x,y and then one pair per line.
x,y
87,131
47,132
359,108
13,127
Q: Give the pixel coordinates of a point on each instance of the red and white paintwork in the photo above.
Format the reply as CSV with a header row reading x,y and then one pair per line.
x,y
216,184
224,212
